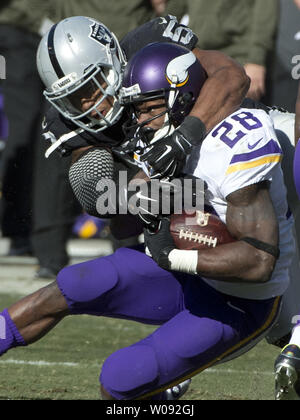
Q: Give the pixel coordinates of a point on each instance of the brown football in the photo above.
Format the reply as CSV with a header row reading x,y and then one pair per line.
x,y
198,230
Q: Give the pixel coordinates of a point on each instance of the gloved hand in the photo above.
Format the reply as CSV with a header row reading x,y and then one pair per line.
x,y
154,199
158,198
160,243
167,156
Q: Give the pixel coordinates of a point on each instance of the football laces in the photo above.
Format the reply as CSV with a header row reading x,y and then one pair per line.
x,y
198,237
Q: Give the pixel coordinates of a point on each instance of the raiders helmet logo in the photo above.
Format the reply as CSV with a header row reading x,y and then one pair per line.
x,y
100,34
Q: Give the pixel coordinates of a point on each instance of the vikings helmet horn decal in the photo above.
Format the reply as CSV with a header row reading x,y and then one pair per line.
x,y
178,69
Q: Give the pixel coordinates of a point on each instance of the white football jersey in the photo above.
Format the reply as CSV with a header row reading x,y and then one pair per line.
x,y
240,151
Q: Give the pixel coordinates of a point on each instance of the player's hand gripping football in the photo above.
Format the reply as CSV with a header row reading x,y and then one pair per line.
x,y
160,243
167,156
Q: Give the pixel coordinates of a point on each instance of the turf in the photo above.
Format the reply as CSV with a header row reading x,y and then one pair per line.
x,y
66,364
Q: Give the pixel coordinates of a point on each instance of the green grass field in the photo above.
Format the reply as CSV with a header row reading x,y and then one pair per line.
x,y
66,364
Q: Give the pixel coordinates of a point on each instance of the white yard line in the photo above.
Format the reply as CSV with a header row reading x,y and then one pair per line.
x,y
37,363
72,364
239,372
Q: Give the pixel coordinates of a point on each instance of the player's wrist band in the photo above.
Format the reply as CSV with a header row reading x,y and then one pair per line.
x,y
183,260
193,129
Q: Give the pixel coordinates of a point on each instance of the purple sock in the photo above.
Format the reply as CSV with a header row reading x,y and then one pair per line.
x,y
9,334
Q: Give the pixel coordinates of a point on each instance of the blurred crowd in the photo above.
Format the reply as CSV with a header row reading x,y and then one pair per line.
x,y
264,36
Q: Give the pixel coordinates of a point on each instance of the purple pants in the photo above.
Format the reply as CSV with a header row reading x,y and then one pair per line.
x,y
198,326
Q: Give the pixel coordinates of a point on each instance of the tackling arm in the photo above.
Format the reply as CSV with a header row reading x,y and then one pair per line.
x,y
223,91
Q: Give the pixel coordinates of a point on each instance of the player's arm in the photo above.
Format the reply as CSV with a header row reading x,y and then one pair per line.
x,y
90,167
250,214
297,119
224,89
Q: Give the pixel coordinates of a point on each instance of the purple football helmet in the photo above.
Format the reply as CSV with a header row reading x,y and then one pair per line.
x,y
164,70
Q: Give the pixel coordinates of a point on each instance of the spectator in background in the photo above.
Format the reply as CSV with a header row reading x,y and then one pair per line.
x,y
159,6
243,29
30,202
21,26
285,71
120,16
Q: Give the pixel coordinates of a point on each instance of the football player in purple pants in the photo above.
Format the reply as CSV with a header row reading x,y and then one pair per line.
x,y
210,306
76,59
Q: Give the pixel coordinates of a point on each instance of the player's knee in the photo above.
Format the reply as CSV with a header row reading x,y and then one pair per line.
x,y
84,284
200,337
130,372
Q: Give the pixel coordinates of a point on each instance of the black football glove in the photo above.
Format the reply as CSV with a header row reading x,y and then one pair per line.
x,y
124,155
167,156
160,243
158,198
154,199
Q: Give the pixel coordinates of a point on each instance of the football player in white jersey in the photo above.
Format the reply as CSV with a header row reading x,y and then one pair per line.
x,y
240,153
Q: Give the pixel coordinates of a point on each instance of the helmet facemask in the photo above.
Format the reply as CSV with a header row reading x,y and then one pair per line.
x,y
176,106
106,82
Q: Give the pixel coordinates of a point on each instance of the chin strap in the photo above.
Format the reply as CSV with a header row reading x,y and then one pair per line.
x,y
168,128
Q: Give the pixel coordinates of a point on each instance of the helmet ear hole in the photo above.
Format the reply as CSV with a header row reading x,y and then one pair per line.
x,y
186,99
147,134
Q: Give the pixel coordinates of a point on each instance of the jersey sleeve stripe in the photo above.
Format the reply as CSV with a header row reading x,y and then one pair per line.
x,y
258,162
271,148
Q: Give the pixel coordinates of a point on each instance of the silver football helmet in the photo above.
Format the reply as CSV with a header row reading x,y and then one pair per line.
x,y
80,58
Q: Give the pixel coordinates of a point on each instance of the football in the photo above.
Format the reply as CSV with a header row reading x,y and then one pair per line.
x,y
198,230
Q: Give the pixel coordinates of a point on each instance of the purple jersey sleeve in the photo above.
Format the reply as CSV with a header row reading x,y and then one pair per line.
x,y
162,29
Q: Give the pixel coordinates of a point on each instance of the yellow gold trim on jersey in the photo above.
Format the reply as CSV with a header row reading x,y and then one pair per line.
x,y
253,164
